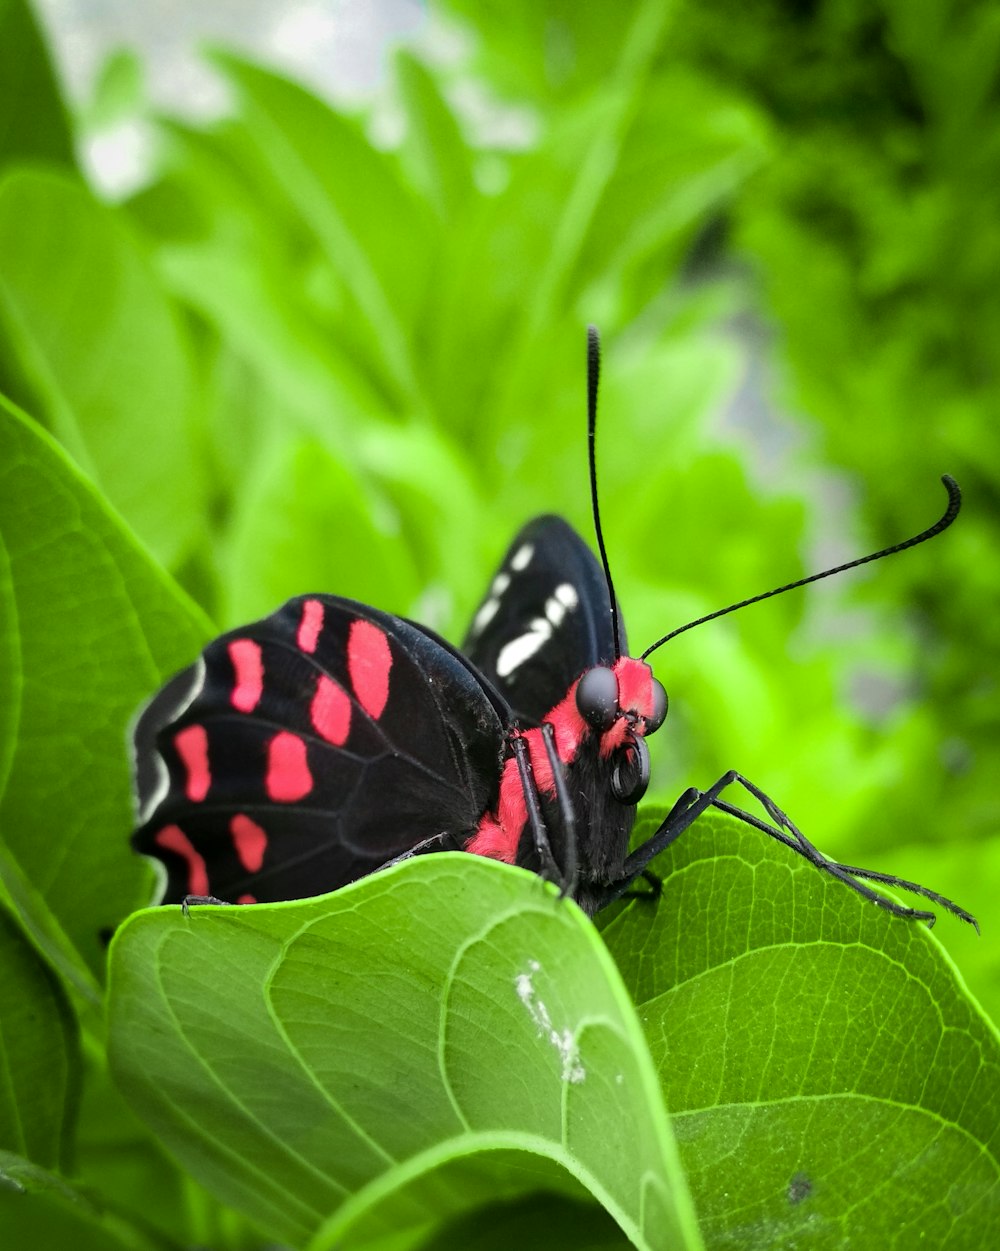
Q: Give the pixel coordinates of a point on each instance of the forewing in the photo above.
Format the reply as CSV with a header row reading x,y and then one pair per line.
x,y
545,619
307,749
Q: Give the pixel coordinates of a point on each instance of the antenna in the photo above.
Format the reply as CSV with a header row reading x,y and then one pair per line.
x,y
950,513
593,377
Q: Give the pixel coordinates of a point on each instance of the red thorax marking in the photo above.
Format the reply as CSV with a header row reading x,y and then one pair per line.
x,y
310,625
288,777
192,747
499,833
249,840
330,711
249,670
368,662
173,838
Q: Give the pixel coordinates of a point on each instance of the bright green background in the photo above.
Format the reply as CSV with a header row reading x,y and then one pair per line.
x,y
297,360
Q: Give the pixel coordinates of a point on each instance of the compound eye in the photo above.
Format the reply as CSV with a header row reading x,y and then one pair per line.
x,y
660,705
597,698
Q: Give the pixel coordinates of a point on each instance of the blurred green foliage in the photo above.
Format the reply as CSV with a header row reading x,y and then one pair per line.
x,y
301,358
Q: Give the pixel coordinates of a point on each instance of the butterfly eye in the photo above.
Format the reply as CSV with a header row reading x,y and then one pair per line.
x,y
660,705
597,698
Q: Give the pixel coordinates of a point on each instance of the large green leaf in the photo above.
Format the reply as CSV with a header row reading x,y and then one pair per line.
x,y
95,350
440,1035
39,1056
92,627
831,1081
33,121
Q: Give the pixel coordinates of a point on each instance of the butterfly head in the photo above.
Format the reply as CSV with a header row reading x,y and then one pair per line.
x,y
622,704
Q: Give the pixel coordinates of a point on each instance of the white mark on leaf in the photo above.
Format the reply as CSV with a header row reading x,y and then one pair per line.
x,y
563,1040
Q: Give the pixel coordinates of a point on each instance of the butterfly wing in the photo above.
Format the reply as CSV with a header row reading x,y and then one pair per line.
x,y
545,619
307,749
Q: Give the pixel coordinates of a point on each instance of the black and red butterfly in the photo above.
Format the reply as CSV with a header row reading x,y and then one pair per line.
x,y
330,739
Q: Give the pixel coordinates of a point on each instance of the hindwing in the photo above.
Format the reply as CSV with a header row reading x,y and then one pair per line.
x,y
307,749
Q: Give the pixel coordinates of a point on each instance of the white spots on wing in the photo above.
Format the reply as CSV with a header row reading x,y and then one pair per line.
x,y
563,1040
485,615
517,651
566,594
500,583
562,600
522,557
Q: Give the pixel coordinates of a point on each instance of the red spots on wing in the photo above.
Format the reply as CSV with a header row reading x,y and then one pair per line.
x,y
243,899
368,662
330,711
310,625
173,838
192,747
635,686
249,671
249,840
288,778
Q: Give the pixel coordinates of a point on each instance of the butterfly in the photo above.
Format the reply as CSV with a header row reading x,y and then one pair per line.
x,y
305,750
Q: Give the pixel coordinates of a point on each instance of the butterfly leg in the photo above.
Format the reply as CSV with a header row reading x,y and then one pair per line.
x,y
539,833
566,810
693,803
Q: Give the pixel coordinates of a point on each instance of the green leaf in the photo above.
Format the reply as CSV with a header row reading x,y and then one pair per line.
x,y
307,524
377,1056
42,1209
95,349
33,120
434,153
39,1054
372,230
93,626
830,1080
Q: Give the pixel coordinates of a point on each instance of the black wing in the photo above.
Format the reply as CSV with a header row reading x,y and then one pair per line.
x,y
545,619
307,749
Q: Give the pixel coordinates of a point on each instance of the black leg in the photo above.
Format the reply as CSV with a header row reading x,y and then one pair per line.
x,y
693,803
566,810
538,831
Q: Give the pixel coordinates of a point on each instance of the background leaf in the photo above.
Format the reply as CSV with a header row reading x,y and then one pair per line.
x,y
98,626
39,1054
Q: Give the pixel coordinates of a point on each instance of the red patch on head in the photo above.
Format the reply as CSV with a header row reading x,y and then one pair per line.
x,y
288,778
249,840
173,838
247,899
569,726
368,662
310,625
635,686
249,670
330,711
192,747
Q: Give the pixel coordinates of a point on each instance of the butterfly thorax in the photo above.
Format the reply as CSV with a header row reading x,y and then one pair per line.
x,y
589,756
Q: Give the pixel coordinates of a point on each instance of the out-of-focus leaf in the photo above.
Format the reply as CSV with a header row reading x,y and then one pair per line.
x,y
33,120
100,352
434,153
98,626
39,1054
307,524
